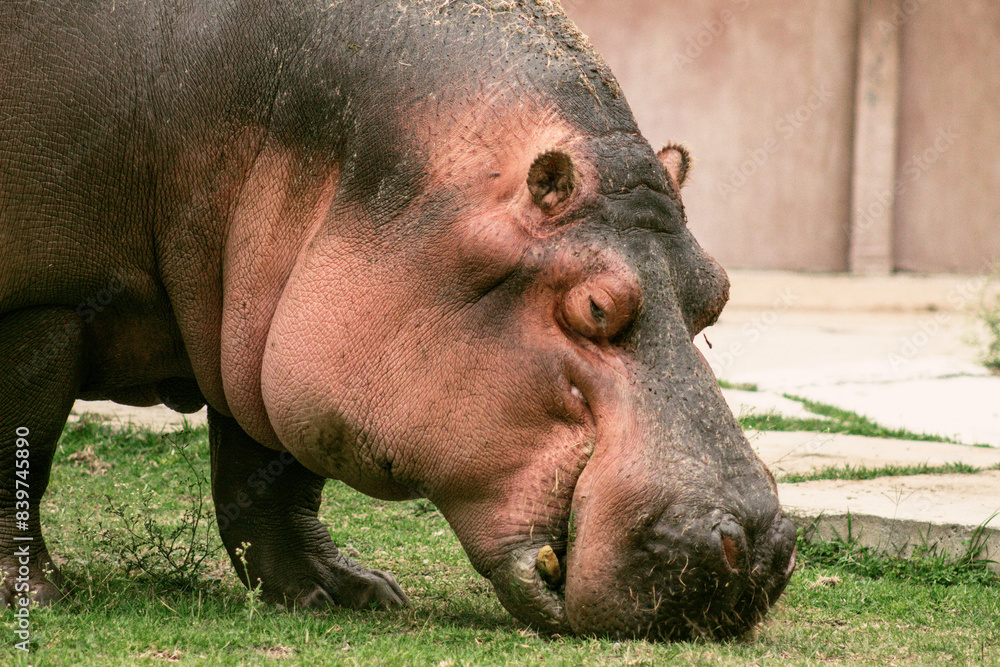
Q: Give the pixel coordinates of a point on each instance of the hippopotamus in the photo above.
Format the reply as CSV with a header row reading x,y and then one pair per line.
x,y
417,246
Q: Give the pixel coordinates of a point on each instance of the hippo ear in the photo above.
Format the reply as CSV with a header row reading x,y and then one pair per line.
x,y
677,161
551,180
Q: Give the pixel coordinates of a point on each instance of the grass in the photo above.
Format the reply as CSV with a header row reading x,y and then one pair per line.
x,y
159,607
831,419
858,473
836,420
742,386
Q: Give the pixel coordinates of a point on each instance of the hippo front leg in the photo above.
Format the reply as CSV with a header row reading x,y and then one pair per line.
x,y
269,500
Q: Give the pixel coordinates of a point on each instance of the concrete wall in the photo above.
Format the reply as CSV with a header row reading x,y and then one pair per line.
x,y
948,218
802,115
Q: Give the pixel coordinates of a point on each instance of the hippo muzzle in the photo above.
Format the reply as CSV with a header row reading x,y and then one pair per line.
x,y
703,578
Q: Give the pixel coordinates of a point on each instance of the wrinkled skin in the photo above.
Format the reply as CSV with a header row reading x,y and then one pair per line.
x,y
419,247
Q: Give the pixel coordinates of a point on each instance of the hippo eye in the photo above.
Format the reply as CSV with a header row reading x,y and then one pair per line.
x,y
599,309
597,313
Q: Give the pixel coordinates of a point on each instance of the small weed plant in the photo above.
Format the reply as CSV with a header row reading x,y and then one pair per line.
x,y
989,314
253,592
161,527
174,552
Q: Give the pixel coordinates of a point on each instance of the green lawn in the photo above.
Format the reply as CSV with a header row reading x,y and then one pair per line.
x,y
114,528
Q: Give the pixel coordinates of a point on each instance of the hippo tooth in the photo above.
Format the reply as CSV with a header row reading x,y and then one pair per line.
x,y
548,566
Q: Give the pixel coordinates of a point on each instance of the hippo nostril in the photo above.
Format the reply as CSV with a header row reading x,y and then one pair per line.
x,y
732,551
780,544
733,542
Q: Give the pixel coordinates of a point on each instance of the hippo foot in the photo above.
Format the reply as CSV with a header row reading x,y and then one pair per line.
x,y
39,581
267,504
344,583
317,577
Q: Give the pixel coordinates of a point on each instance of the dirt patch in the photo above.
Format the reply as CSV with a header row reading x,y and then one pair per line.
x,y
89,458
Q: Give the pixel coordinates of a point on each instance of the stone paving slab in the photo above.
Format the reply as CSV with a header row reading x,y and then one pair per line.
x,y
972,499
891,514
966,409
934,395
898,350
788,452
844,292
901,537
864,371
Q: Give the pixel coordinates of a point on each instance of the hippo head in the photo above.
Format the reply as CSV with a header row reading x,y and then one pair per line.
x,y
495,311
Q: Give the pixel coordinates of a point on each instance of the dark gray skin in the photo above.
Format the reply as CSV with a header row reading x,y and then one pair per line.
x,y
419,247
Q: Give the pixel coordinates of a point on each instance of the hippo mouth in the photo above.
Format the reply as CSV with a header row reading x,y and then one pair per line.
x,y
531,585
685,598
668,570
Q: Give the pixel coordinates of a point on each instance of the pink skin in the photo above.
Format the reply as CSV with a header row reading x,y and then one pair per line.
x,y
272,226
